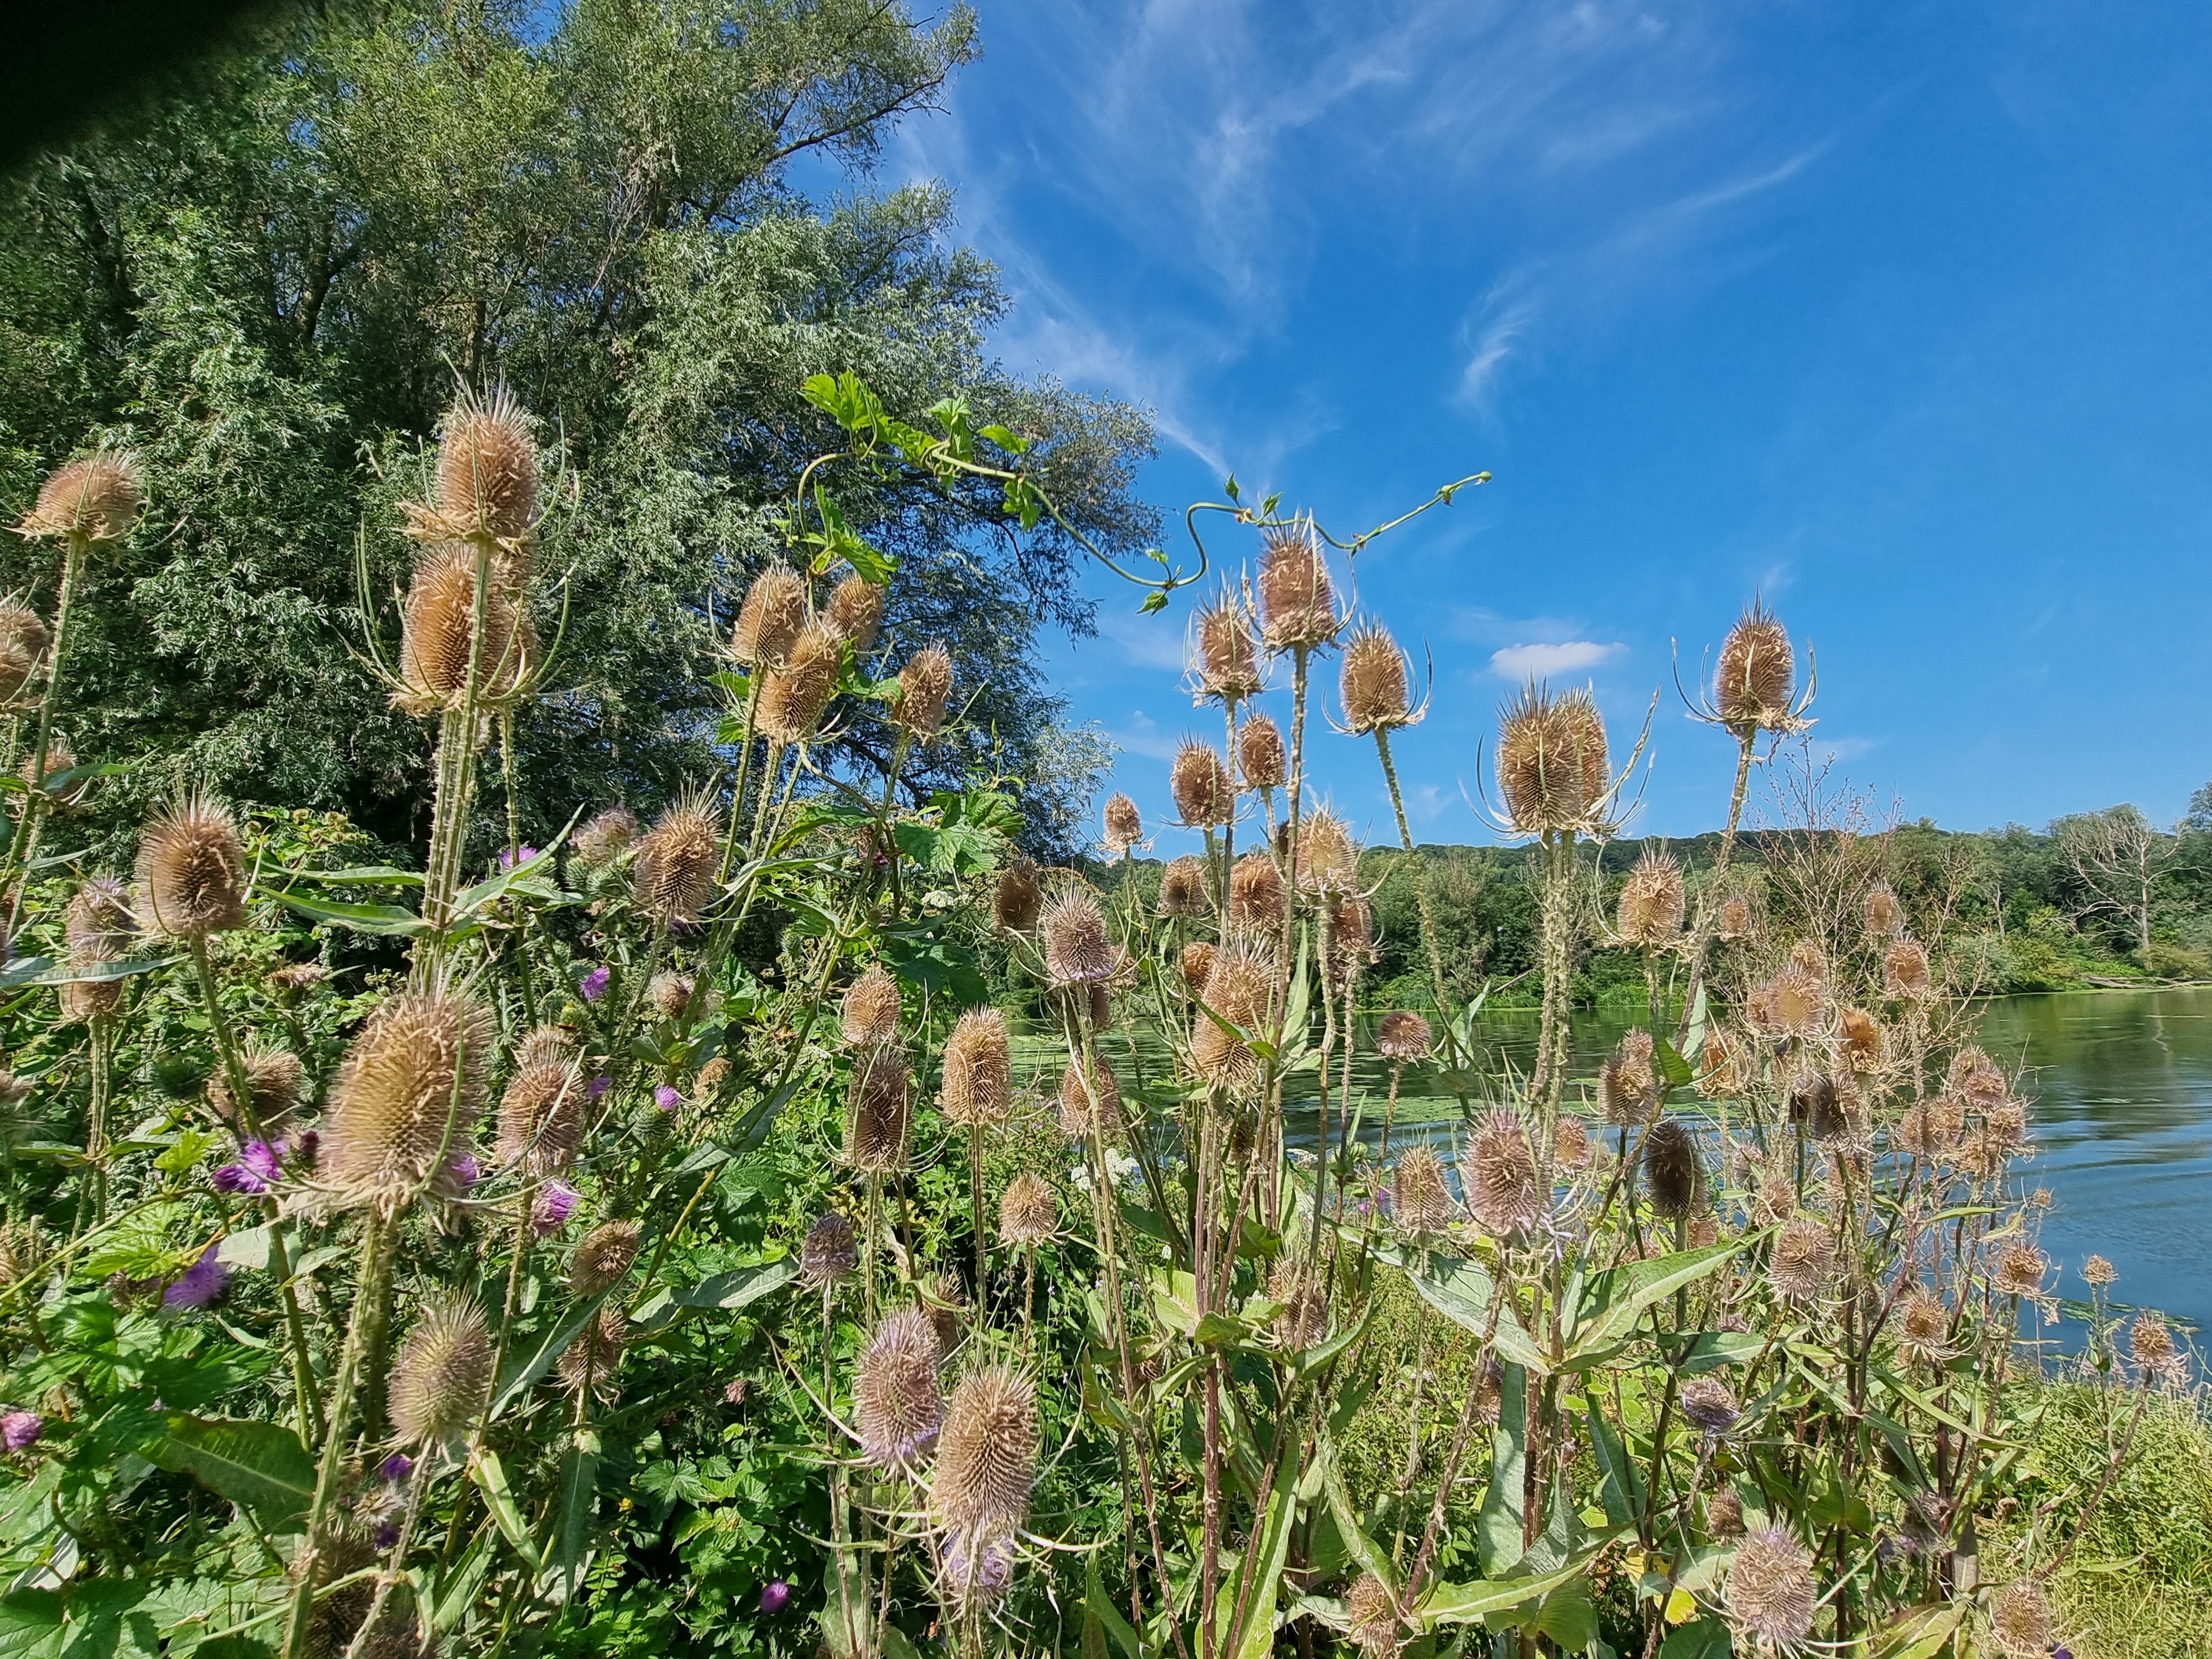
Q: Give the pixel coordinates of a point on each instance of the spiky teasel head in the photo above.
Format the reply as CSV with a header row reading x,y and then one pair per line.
x,y
1770,1590
945,1304
2099,1271
1196,963
878,1110
1402,1036
1651,902
1976,1078
1297,605
1904,970
673,875
1261,753
1327,860
987,1453
1017,898
22,642
1724,1514
275,1080
869,1016
856,612
1628,1082
1725,1066
411,1083
1571,1150
1755,681
1499,1177
437,635
925,691
543,1045
1880,910
1123,824
1183,889
443,1375
2150,1339
795,696
978,1088
1029,1214
1300,1295
769,618
1077,1103
1239,981
96,497
896,1401
606,837
191,870
1803,1257
487,476
1371,1617
99,926
1796,1001
1864,1043
670,994
1351,940
594,1357
1552,761
1707,1402
1078,949
1225,657
830,1250
1816,1103
2020,1269
604,1257
1733,920
2021,1621
1418,1198
1923,1325
1204,796
1374,684
541,1112
1255,893
1674,1174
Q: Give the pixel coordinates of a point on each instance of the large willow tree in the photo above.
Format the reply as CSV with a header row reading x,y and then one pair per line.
x,y
271,287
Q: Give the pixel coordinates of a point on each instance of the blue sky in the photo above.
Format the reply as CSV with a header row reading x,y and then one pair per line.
x,y
1898,315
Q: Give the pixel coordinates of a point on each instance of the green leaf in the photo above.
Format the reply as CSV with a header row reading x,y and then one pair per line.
x,y
573,1513
390,921
1096,1604
1672,1067
1711,1350
1155,600
1616,1298
1230,490
102,973
1620,1485
30,1625
738,1286
1464,1604
490,1476
1013,442
1568,1615
1498,1530
362,875
23,972
524,1370
1357,1544
1702,1638
262,1466
1263,1567
1460,1291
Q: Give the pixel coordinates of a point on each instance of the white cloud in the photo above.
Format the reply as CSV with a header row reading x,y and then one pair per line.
x,y
1491,348
1521,662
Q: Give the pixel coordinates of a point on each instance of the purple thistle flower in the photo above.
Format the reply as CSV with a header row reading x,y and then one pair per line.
x,y
396,1468
387,1534
520,855
598,1086
200,1284
594,984
776,1594
464,1168
667,1098
255,1170
19,1429
556,1202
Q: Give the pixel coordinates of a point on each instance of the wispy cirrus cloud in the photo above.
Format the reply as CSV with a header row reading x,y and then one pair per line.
x,y
1522,662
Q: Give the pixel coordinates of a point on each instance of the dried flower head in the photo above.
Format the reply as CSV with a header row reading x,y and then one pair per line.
x,y
1864,1042
98,929
855,612
977,1088
1815,1102
1628,1090
487,478
97,497
1122,826
1724,1514
1078,1104
897,1401
592,1360
275,1080
1301,1296
1976,1078
1707,1402
871,1009
1261,753
541,1112
1880,910
795,696
1651,902
1571,1149
1029,1214
438,637
1674,1174
1351,940
1733,920
673,872
1757,676
1370,1616
1905,971
1552,760
606,837
830,1250
1200,783
1402,1036
2020,1269
1183,889
23,643
1499,1175
987,1453
1923,1325
1803,1257
1196,963
671,993
1255,893
925,691
1019,898
604,1257
1726,1066
2020,1618
1418,1198
879,1106
1374,682
2099,1271
1298,606
443,1375
1077,950
1796,1001
1771,1590
946,1305
411,1083
1225,657
769,618
2150,1339
1327,861
1237,985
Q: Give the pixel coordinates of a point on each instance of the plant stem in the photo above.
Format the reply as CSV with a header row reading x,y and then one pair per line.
x,y
25,842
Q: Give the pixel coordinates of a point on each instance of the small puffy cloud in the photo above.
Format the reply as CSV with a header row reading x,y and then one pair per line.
x,y
1522,662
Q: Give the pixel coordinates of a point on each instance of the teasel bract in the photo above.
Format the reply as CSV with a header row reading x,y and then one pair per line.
x,y
2150,1339
1796,1002
95,498
1017,897
925,692
1124,826
976,1090
1733,920
870,1015
672,873
1225,657
856,612
1975,1078
1924,1326
897,1404
986,1454
1301,1296
23,641
1029,1214
1183,889
1297,605
1815,1102
1373,684
411,1083
878,1110
1770,1588
1708,1403
442,1378
1261,753
275,1080
1864,1043
1200,785
769,618
1674,1174
1650,912
1628,1082
1352,941
2020,1269
794,697
191,870
1755,682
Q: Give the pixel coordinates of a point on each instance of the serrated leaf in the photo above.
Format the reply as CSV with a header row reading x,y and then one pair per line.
x,y
262,1466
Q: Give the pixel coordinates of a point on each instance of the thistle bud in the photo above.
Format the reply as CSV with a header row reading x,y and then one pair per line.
x,y
1261,753
986,1453
872,1010
1674,1174
1200,785
1373,684
1651,902
1124,827
191,870
487,481
606,837
275,1080
410,1084
880,1105
1402,1037
795,696
1757,676
1183,889
897,1401
831,1251
442,1377
1029,1214
1298,606
856,612
1770,1590
1077,951
96,497
1418,1198
671,993
23,643
1503,1192
978,1088
1226,658
1019,898
1255,893
769,618
672,874
604,1257
924,690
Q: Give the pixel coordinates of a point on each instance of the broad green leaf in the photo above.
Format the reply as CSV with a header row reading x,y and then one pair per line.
x,y
570,1545
1568,1615
1708,1638
1499,1529
1672,1067
248,1249
388,919
101,973
1620,1485
23,971
1261,1585
737,1287
1616,1298
363,875
30,1625
1711,1350
1464,1604
524,1370
1013,442
1357,1544
1099,1605
1460,1290
262,1466
490,1476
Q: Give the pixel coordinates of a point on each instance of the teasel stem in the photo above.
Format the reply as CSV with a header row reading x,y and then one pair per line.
x,y
379,1235
1556,854
975,1212
396,1563
100,1031
1410,1596
1435,948
1230,760
1701,947
1413,1468
241,1094
1271,1122
24,844
769,769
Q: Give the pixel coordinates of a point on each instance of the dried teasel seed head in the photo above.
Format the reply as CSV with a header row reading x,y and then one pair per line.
x,y
2020,1269
191,870
987,1453
1238,982
1029,1214
1724,1514
1770,1591
487,479
871,1009
769,618
1904,970
1499,1176
1803,1257
1261,754
411,1083
1571,1145
438,637
946,1305
1350,939
97,497
977,1088
672,874
1816,1102
1225,657
98,929
22,642
1864,1042
1674,1174
1077,1103
2020,1619
1017,898
1183,889
795,696
1733,920
1923,1325
1302,1296
2099,1271
671,993
1418,1198
2150,1339
1977,1079
1371,1617
1628,1082
896,1401
275,1081
1196,963
830,1250
1298,606
1326,861
442,1377
879,1108
544,1045
856,612
1078,949
1707,1402
1796,1001
925,691
541,1112
1552,761
1124,826
1402,1036
604,1257
1756,677
1204,796
1255,893
1726,1066
1373,684
595,1356
1651,902
1881,911
607,837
